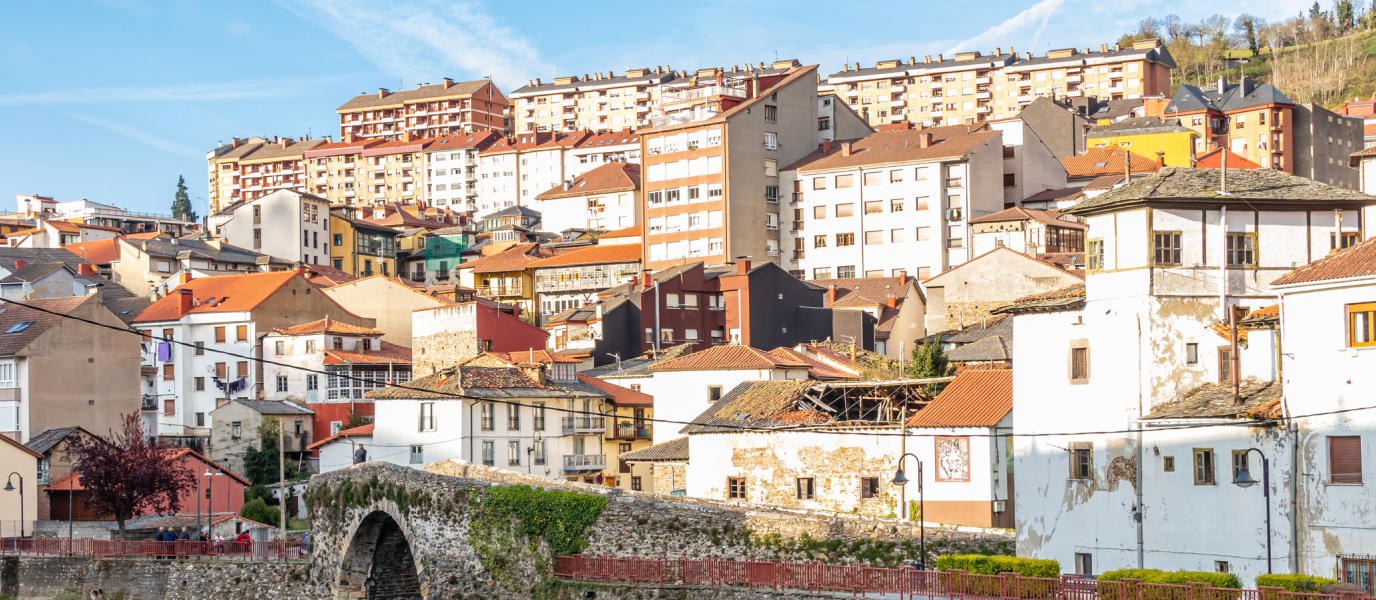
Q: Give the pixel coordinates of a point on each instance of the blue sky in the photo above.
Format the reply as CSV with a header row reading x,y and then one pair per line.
x,y
112,100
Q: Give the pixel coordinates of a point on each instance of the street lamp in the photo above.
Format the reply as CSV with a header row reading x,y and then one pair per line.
x,y
1244,480
9,487
901,480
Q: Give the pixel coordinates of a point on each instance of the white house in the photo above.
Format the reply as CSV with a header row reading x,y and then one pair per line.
x,y
515,418
337,451
603,198
1142,349
287,224
593,151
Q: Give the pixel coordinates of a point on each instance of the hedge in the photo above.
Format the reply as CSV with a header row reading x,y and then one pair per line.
x,y
1218,580
993,565
1294,583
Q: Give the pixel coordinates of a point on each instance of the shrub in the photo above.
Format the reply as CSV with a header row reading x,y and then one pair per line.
x,y
993,565
1218,580
1293,583
257,510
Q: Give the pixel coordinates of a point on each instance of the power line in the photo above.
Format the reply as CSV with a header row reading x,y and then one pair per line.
x,y
743,428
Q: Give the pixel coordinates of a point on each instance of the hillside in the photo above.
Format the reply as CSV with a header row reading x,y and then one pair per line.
x,y
1327,73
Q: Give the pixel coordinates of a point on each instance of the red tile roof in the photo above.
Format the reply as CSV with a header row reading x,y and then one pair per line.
x,y
975,399
531,356
515,258
228,293
610,177
1214,160
728,357
98,252
389,354
615,253
816,369
360,431
1357,261
1045,217
888,147
536,141
632,231
1003,249
620,395
327,325
14,314
1096,162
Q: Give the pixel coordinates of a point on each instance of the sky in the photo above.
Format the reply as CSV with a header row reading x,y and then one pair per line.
x,y
113,100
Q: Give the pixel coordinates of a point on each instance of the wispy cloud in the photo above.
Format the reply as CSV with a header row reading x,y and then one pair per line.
x,y
138,135
424,40
1038,14
228,90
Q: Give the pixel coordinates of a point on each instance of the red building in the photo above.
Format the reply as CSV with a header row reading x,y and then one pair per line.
x,y
220,492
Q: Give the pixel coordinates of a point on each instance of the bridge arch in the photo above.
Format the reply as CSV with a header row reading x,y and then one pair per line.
x,y
380,559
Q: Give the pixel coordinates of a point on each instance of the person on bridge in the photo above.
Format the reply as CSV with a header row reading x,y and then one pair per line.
x,y
360,455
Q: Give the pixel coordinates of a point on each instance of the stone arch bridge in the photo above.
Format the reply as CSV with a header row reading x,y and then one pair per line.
x,y
383,531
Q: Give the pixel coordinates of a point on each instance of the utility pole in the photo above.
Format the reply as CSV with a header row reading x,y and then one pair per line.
x,y
282,486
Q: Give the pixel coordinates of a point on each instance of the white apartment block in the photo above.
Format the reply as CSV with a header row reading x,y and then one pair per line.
x,y
289,225
252,168
600,102
595,150
451,170
894,203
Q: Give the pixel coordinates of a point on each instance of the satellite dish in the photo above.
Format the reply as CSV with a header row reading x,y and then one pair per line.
x,y
210,369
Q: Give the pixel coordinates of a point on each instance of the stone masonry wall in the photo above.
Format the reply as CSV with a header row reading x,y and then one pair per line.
x,y
33,578
670,477
434,352
962,314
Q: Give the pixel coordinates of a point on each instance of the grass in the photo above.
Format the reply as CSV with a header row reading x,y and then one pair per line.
x,y
293,524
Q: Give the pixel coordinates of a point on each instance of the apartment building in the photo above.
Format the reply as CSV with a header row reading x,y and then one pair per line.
x,y
574,279
894,204
513,171
604,199
597,102
30,207
603,147
711,163
448,108
973,87
250,169
451,169
1263,125
285,224
227,313
225,174
360,248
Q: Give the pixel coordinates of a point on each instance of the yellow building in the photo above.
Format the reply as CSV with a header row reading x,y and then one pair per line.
x,y
1152,137
20,509
360,248
507,276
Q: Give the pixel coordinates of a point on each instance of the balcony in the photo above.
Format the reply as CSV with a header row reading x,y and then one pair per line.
x,y
896,102
852,92
796,198
953,182
702,92
642,109
569,101
584,424
896,89
981,81
799,254
1074,78
797,225
630,430
896,116
500,290
1115,75
584,462
983,95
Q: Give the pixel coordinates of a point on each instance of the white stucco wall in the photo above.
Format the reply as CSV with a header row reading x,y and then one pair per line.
x,y
680,396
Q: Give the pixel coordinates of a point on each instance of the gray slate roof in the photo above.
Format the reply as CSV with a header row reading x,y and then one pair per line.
x,y
270,407
1215,401
48,438
1067,298
1140,126
127,308
35,271
991,348
1190,98
979,331
38,255
670,451
174,248
1199,188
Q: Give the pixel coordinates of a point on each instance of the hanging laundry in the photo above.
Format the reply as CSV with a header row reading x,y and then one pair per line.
x,y
164,352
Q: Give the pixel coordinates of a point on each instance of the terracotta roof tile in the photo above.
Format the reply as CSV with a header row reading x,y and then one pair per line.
x,y
864,291
610,177
816,369
615,253
327,325
1054,194
632,231
728,357
99,252
1356,261
622,396
974,399
357,431
530,356
229,293
1045,217
13,317
515,258
1214,160
1070,297
389,353
887,147
1096,162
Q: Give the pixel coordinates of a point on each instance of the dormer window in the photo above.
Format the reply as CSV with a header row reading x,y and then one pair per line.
x,y
367,344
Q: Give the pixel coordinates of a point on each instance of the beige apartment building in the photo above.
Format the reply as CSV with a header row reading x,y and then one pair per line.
x,y
251,168
711,163
597,102
448,108
972,87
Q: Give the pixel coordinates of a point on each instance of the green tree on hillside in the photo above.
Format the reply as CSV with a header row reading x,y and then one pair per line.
x,y
181,203
929,360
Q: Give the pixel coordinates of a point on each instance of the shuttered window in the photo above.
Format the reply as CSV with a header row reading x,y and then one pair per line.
x,y
1345,459
220,335
1079,363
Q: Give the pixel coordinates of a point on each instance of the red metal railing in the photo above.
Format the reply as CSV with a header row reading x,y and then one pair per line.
x,y
906,582
150,549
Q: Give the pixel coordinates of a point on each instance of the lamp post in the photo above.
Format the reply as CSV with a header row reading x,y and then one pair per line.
x,y
901,480
9,487
1244,480
79,475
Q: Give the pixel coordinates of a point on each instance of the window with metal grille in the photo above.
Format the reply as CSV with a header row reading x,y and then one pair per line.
x,y
488,410
1167,248
1344,459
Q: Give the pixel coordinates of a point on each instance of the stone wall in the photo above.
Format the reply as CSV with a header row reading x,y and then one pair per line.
x,y
361,514
442,350
62,578
670,477
960,315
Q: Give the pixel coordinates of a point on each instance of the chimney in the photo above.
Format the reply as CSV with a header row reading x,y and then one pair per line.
x,y
998,51
94,290
382,93
86,269
826,146
1160,159
893,302
1222,84
924,140
300,269
184,277
903,279
742,267
236,143
448,83
635,282
845,148
831,294
927,58
19,265
183,301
